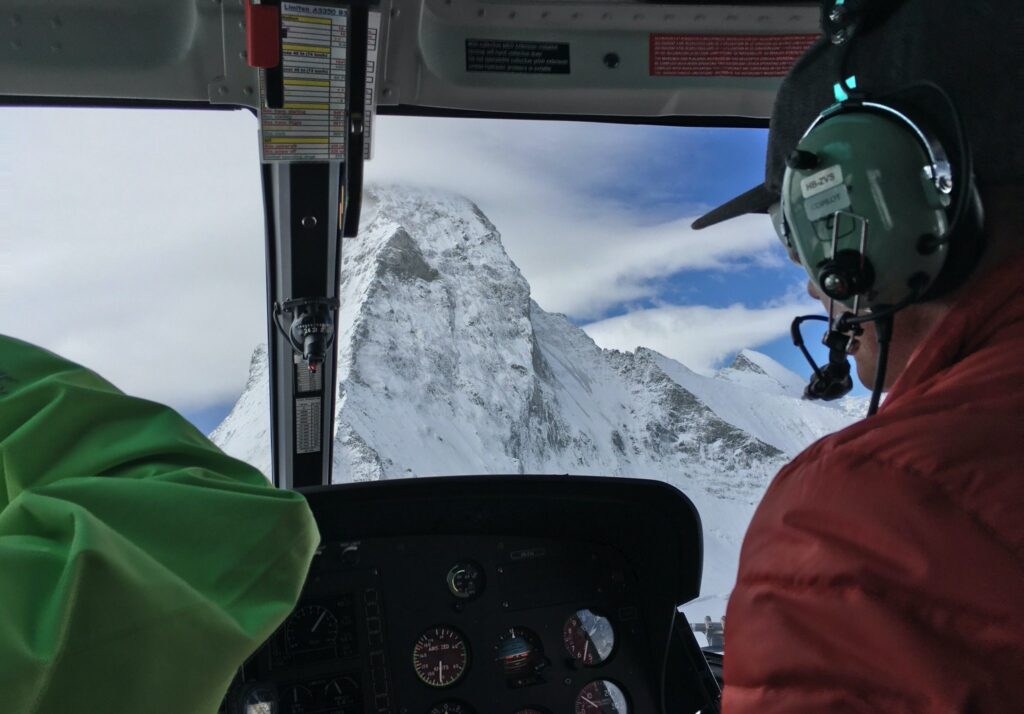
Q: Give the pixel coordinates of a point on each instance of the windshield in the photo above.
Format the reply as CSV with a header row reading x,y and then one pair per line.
x,y
524,297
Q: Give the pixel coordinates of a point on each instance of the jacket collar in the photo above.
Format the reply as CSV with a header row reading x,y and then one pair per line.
x,y
995,303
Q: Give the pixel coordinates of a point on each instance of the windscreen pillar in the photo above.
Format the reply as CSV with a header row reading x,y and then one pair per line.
x,y
312,113
303,259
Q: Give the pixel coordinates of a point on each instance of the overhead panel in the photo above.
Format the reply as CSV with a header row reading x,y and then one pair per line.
x,y
607,59
149,50
521,57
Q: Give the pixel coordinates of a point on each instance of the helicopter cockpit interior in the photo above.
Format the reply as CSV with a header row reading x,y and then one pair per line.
x,y
476,595
516,594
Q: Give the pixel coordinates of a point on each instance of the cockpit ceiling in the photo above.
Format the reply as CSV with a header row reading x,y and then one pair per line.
x,y
619,59
734,3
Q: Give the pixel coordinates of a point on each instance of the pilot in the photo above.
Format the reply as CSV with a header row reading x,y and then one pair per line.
x,y
884,569
139,565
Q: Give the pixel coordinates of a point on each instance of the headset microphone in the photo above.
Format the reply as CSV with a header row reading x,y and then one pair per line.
x,y
832,380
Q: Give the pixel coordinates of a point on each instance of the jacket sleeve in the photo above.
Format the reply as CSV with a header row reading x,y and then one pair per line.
x,y
139,564
864,587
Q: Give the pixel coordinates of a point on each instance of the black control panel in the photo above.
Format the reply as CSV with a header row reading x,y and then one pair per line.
x,y
490,595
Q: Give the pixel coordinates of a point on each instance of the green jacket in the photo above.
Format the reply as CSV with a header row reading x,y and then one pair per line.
x,y
139,564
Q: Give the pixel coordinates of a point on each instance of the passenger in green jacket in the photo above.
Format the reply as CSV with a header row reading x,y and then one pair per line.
x,y
139,564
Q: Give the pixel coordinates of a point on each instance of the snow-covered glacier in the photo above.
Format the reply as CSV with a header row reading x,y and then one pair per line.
x,y
446,366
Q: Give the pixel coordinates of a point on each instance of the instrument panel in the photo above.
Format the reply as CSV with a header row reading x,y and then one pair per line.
x,y
473,622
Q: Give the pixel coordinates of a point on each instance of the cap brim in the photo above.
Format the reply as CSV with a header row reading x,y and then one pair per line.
x,y
756,200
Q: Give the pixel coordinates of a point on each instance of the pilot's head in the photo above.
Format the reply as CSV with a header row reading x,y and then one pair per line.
x,y
895,165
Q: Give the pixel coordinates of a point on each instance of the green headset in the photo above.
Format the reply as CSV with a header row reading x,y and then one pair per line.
x,y
881,215
875,208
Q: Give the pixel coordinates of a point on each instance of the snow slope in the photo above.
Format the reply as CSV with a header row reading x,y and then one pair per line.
x,y
446,366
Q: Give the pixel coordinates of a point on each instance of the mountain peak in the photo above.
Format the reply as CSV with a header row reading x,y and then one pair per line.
x,y
744,363
759,371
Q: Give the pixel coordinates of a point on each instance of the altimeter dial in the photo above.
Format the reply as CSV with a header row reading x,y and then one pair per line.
x,y
588,638
440,656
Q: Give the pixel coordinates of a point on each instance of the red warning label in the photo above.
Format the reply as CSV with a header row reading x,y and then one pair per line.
x,y
726,55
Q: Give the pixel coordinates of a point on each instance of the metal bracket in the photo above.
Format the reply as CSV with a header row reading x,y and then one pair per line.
x,y
239,82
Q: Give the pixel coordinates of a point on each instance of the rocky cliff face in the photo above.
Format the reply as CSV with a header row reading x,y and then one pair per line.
x,y
446,366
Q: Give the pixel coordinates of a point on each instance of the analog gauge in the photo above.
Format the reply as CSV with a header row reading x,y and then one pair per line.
x,y
520,655
451,707
260,700
466,580
311,628
297,698
344,693
440,656
588,638
601,697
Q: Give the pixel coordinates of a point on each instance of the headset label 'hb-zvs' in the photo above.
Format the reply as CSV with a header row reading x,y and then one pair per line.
x,y
821,181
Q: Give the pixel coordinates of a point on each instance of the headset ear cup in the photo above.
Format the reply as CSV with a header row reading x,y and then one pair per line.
x,y
873,197
966,244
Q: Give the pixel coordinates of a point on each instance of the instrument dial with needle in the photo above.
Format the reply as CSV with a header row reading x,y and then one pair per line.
x,y
298,698
344,693
588,638
260,700
521,657
601,697
465,580
311,628
440,656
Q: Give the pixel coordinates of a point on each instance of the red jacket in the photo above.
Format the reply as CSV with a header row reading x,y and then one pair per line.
x,y
884,569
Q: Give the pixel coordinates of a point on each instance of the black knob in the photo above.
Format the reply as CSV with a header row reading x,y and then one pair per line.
x,y
835,284
928,244
849,274
802,160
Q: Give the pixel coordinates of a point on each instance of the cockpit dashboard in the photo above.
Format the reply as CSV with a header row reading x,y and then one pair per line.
x,y
490,595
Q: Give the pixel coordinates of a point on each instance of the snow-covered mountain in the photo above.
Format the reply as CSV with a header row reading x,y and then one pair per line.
x,y
446,366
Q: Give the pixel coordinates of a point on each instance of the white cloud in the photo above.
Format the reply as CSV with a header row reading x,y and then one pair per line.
x,y
698,336
136,246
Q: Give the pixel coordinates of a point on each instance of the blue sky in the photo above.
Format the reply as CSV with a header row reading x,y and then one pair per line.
x,y
160,227
723,159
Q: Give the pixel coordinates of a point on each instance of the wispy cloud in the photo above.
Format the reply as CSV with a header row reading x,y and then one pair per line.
x,y
556,192
700,337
